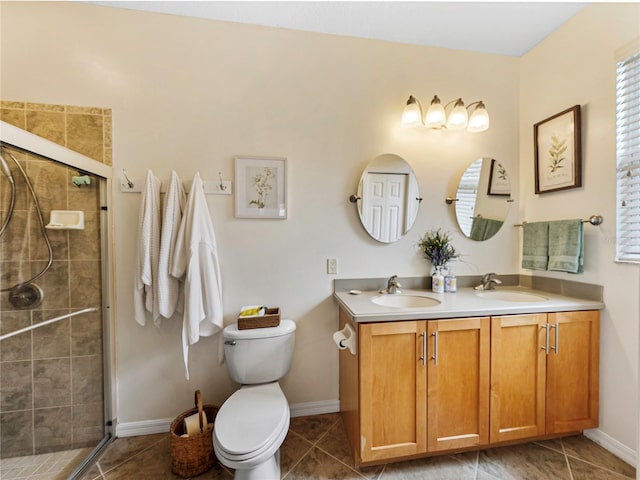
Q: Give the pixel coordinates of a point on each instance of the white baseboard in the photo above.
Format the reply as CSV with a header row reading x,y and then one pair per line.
x,y
315,408
611,444
145,427
148,427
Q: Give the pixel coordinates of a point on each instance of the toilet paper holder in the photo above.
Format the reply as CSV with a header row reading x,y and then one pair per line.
x,y
346,338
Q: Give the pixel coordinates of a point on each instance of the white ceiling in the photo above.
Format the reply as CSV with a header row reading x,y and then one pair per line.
x,y
506,28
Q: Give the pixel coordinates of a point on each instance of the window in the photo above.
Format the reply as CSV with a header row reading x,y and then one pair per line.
x,y
628,159
466,195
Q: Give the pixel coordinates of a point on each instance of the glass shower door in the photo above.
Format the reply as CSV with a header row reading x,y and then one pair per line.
x,y
52,376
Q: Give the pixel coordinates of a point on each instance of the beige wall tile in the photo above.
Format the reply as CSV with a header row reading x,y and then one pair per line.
x,y
84,135
11,104
14,117
45,107
85,110
49,125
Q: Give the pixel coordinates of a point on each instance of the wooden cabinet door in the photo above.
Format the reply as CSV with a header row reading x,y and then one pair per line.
x,y
572,371
458,383
518,364
392,390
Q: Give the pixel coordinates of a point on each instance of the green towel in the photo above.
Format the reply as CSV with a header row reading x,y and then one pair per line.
x,y
535,245
484,228
566,246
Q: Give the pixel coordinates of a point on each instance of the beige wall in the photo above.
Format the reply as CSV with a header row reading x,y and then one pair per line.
x,y
190,94
576,66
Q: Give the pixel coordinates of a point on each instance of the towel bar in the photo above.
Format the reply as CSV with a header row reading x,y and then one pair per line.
x,y
593,220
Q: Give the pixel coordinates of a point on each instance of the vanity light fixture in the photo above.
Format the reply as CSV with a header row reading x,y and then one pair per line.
x,y
436,116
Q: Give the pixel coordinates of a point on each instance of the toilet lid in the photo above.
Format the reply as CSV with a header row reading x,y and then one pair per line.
x,y
251,418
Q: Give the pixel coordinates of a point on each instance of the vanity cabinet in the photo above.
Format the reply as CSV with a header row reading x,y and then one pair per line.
x,y
417,387
544,374
424,386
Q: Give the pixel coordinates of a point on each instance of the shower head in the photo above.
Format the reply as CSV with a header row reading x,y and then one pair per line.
x,y
4,166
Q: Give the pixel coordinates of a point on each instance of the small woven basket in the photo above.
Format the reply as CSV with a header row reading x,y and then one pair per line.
x,y
271,318
192,455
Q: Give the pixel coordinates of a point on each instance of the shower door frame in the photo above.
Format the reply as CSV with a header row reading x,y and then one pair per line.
x,y
23,140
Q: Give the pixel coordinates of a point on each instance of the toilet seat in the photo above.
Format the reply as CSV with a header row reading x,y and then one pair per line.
x,y
252,423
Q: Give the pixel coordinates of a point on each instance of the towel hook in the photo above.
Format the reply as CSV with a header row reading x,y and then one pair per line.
x,y
129,182
222,186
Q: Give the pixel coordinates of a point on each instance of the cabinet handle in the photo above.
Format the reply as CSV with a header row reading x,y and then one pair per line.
x,y
435,348
423,357
546,339
556,326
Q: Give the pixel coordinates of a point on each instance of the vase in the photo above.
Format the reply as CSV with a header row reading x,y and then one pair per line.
x,y
437,280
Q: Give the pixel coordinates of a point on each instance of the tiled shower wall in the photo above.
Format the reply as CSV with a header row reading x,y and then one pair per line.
x,y
51,379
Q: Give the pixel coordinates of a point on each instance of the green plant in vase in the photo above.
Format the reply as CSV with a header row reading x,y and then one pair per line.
x,y
436,246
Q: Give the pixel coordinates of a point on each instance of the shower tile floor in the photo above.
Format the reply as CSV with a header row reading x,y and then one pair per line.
x,y
47,466
316,448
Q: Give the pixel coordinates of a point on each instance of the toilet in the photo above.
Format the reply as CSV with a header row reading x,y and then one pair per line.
x,y
253,422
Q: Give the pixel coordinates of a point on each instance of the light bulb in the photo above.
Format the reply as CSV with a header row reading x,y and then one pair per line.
x,y
479,119
412,113
435,116
458,117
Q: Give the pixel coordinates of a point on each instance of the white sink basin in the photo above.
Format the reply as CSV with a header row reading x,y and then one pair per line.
x,y
507,296
400,300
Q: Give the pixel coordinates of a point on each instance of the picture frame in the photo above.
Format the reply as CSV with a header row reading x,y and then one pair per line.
x,y
261,187
558,152
498,184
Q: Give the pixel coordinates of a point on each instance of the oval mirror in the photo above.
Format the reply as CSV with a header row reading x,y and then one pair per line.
x,y
388,198
483,199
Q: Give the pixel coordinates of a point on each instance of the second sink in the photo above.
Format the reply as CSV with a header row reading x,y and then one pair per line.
x,y
405,301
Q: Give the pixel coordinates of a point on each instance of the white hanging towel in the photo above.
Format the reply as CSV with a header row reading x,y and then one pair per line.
x,y
169,287
196,258
145,294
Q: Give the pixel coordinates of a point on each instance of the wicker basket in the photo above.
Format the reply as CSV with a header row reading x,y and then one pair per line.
x,y
271,318
192,455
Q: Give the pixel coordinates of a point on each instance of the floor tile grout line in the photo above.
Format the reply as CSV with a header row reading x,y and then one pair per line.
x,y
475,475
568,456
132,456
99,469
602,467
383,471
353,469
316,445
566,459
300,459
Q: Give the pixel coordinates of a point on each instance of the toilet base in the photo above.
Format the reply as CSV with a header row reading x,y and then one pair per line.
x,y
267,470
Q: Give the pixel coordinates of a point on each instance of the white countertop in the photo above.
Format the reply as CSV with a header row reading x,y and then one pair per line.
x,y
463,303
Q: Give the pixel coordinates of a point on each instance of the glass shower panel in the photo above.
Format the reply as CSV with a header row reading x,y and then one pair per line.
x,y
51,377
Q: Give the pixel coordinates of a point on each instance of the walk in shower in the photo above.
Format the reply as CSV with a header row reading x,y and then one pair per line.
x,y
55,378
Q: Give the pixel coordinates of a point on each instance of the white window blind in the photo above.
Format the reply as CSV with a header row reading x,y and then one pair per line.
x,y
466,195
628,159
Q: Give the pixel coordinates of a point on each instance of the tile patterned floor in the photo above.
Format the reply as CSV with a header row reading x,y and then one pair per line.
x,y
316,448
46,466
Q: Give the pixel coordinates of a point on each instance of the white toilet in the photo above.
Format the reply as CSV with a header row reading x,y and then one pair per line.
x,y
254,421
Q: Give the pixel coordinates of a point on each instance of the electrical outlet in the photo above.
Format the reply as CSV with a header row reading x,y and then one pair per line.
x,y
332,266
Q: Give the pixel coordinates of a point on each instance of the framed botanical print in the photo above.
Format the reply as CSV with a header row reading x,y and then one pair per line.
x,y
498,180
261,187
558,153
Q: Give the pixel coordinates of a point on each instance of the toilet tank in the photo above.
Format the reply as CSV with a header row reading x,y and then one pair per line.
x,y
259,355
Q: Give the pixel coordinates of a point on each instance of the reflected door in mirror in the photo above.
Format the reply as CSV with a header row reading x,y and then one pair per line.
x,y
383,205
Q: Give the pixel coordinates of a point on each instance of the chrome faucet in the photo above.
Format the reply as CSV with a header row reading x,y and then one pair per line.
x,y
392,286
488,282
